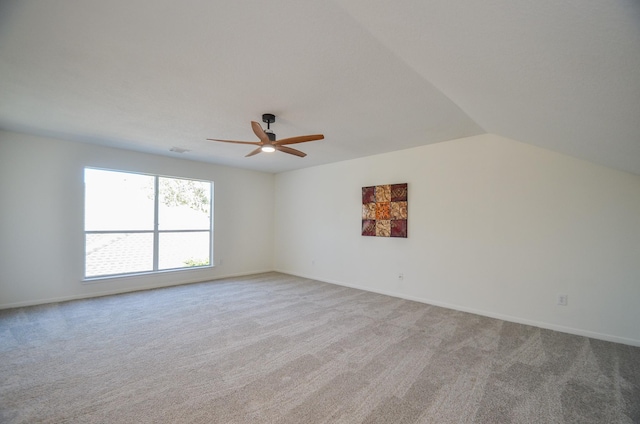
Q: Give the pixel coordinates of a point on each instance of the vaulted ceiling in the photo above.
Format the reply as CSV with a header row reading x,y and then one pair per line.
x,y
372,75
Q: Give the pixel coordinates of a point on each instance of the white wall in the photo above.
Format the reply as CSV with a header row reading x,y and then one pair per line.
x,y
495,227
41,218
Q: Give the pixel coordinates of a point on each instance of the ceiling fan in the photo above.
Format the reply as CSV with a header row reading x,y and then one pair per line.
x,y
268,142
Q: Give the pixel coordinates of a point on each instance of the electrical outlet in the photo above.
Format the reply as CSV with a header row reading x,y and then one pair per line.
x,y
563,300
400,276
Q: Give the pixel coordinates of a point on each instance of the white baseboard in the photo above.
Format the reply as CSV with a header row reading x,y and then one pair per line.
x,y
490,314
518,320
121,291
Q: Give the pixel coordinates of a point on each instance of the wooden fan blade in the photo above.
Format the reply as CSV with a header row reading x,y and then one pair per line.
x,y
257,129
255,143
291,151
254,152
299,139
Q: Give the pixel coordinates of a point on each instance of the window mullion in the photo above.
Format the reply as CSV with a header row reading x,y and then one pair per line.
x,y
156,214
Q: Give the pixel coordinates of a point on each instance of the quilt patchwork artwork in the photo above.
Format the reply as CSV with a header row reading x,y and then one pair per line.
x,y
384,210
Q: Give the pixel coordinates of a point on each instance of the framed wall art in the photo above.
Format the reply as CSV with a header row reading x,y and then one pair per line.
x,y
384,210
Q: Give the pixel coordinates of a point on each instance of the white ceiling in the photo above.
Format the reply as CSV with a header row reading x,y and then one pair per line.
x,y
371,75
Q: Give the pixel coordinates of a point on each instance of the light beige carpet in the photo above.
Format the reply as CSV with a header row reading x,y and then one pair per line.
x,y
273,348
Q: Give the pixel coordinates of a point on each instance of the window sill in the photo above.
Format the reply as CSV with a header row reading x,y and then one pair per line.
x,y
120,277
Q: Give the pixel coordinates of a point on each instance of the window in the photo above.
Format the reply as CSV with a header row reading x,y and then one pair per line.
x,y
137,223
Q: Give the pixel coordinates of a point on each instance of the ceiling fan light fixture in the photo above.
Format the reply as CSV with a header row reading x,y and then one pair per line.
x,y
268,149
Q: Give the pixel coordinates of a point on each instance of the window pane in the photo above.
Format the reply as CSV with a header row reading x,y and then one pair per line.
x,y
118,201
184,204
180,250
118,253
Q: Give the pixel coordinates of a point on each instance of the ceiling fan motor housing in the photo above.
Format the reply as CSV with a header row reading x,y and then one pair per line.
x,y
269,118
